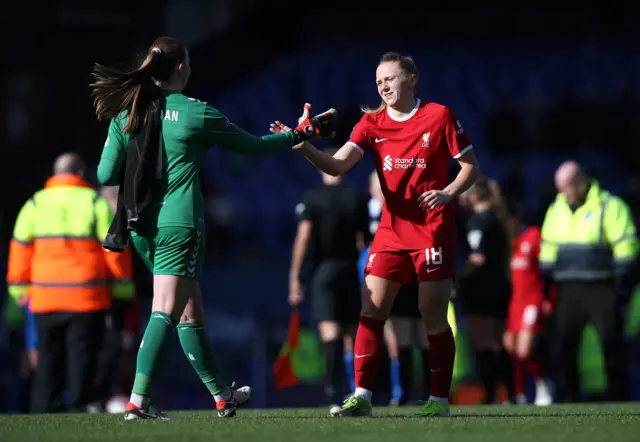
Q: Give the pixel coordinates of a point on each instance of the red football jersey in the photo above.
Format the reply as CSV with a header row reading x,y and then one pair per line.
x,y
411,157
527,285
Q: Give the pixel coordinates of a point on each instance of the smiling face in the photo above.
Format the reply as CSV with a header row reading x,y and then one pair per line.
x,y
394,83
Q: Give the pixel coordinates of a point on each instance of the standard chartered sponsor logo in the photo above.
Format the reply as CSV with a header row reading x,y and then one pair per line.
x,y
403,163
388,163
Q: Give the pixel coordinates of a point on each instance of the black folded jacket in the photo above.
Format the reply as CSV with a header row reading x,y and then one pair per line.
x,y
139,178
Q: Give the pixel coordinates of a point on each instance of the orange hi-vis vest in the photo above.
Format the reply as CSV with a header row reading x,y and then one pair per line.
x,y
56,256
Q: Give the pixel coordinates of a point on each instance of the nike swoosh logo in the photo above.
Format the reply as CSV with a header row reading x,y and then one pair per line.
x,y
379,140
436,370
432,270
363,356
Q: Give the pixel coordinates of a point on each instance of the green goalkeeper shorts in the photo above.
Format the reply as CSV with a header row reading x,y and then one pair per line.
x,y
172,251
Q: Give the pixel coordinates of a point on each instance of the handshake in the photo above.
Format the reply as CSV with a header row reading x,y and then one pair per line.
x,y
323,125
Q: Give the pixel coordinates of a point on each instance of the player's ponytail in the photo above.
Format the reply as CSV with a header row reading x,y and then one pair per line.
x,y
498,203
408,66
135,91
501,210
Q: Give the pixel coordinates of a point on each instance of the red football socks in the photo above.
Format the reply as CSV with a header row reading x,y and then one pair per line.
x,y
518,375
442,351
367,351
531,366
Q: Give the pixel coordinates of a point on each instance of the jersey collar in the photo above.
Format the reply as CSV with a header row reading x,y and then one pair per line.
x,y
66,180
409,115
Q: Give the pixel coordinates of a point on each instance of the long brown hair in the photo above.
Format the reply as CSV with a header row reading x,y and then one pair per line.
x,y
406,64
135,91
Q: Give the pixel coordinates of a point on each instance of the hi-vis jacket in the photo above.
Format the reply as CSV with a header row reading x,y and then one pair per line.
x,y
56,255
596,242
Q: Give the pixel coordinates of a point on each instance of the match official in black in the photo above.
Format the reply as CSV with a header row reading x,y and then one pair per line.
x,y
333,225
484,287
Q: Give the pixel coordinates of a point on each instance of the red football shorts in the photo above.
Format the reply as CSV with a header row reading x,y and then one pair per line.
x,y
524,316
430,264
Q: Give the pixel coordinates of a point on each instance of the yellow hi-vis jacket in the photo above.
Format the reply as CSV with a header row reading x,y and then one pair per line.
x,y
595,242
56,256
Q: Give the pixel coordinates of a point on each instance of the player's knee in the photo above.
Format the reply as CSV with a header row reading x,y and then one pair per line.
x,y
433,306
329,331
404,331
374,312
507,342
169,296
523,351
434,322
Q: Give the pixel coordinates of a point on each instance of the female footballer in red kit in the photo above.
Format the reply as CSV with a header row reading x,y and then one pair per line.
x,y
411,142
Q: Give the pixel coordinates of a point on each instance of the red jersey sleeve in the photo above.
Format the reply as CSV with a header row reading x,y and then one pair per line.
x,y
536,239
360,135
457,138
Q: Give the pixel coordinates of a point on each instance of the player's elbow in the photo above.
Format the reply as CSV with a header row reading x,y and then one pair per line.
x,y
332,168
339,167
106,173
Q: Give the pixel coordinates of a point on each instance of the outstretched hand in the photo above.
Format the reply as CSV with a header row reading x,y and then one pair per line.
x,y
278,127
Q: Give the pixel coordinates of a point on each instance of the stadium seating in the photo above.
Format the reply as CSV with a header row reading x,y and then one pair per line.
x,y
469,79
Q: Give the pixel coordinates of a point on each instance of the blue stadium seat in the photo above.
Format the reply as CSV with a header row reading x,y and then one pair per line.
x,y
470,79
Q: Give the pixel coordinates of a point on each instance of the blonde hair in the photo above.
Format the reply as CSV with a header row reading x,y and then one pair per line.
x,y
406,64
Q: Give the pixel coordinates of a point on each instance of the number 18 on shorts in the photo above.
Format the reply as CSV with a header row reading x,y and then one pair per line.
x,y
430,264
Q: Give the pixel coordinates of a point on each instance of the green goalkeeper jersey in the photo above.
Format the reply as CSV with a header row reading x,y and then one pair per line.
x,y
189,128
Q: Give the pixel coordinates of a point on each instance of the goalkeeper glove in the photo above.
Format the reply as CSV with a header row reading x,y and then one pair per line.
x,y
323,125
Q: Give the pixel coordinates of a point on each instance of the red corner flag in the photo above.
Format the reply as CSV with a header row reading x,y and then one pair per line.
x,y
283,373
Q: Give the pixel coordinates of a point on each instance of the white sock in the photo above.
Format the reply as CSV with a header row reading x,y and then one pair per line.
x,y
139,400
223,396
363,393
440,400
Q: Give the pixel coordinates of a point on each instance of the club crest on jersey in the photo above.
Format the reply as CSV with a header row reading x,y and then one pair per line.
x,y
425,139
371,257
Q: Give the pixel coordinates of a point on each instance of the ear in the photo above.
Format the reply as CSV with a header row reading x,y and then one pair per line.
x,y
180,68
413,80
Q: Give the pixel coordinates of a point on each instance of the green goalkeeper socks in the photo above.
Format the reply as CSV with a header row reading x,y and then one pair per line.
x,y
154,347
200,354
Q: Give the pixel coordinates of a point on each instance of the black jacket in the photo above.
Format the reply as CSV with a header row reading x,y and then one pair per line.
x,y
139,176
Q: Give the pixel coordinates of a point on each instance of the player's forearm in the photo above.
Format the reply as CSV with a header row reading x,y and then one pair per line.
x,y
109,172
250,145
297,258
468,174
322,160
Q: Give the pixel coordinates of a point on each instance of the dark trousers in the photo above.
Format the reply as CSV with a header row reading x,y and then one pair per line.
x,y
68,348
596,303
111,349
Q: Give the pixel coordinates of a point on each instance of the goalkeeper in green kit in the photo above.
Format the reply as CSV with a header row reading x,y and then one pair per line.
x,y
155,147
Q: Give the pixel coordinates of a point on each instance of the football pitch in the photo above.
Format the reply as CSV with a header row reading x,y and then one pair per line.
x,y
583,423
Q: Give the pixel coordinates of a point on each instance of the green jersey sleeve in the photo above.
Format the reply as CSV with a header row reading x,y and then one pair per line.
x,y
219,130
113,155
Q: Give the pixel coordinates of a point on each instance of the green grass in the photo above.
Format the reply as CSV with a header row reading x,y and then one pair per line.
x,y
580,423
